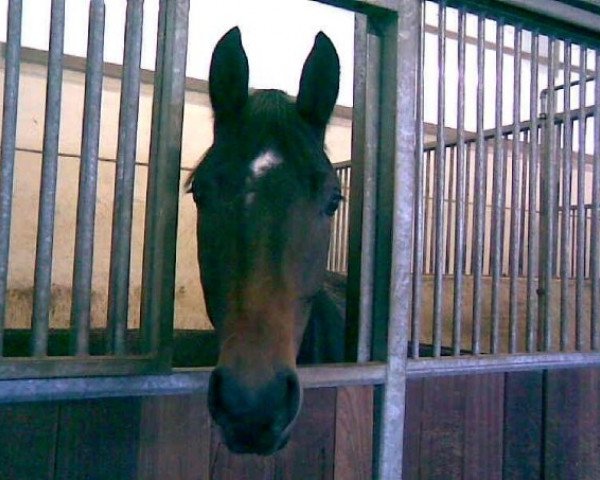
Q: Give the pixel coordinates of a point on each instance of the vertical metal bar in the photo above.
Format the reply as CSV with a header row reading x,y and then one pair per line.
x,y
440,172
516,207
7,148
565,234
524,185
429,206
369,197
580,315
356,189
399,132
120,255
548,204
532,234
428,223
480,191
595,253
419,221
45,233
450,219
459,250
88,173
160,232
497,193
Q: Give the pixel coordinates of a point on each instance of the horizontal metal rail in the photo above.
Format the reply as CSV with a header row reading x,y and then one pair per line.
x,y
193,380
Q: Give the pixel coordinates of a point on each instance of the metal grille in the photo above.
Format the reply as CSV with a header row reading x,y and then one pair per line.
x,y
146,349
509,196
337,261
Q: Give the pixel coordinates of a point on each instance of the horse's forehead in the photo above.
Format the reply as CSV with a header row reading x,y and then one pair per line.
x,y
264,163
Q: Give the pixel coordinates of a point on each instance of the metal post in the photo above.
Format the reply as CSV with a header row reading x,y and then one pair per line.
x,y
400,54
160,232
120,258
515,207
440,169
480,191
45,234
497,236
7,148
88,173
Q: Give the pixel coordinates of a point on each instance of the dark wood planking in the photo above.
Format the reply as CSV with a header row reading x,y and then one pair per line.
x,y
412,428
98,439
174,438
572,424
27,441
483,427
442,424
523,425
354,433
308,455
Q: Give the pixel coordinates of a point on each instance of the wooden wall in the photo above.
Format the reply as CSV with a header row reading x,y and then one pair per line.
x,y
513,426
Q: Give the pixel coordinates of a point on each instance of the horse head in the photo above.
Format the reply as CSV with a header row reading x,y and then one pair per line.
x,y
265,194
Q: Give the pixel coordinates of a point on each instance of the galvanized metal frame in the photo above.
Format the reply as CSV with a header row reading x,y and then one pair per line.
x,y
163,194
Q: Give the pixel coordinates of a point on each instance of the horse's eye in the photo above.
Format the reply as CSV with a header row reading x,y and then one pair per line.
x,y
333,203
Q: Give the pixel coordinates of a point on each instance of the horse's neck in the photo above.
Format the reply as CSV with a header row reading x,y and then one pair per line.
x,y
323,340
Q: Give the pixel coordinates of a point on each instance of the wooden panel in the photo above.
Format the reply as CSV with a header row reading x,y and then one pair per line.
x,y
442,432
308,455
412,428
174,438
98,439
523,413
354,433
572,424
483,426
27,441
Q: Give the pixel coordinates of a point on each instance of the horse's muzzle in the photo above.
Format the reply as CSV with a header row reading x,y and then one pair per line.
x,y
254,419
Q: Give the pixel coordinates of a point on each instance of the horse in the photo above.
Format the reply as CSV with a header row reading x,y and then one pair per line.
x,y
265,193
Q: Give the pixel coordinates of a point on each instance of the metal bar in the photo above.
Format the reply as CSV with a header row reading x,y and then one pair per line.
x,y
565,233
497,194
515,207
459,235
86,205
532,234
419,221
523,187
160,230
480,192
449,199
369,7
440,172
182,381
71,366
515,362
490,134
428,223
371,152
581,211
120,255
45,234
7,147
548,207
191,380
398,141
595,253
359,128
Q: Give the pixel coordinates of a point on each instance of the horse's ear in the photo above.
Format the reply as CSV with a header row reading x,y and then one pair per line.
x,y
228,77
319,83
